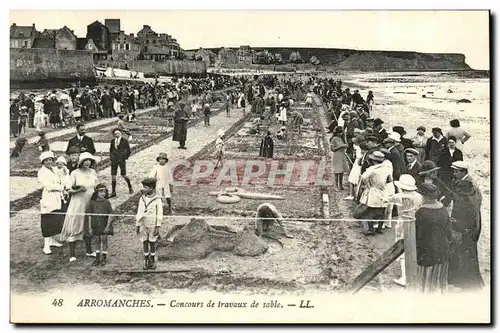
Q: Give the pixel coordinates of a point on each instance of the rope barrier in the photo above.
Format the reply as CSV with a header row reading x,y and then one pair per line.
x,y
215,217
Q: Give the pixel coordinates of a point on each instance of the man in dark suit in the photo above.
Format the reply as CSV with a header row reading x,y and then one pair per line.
x,y
119,152
83,142
395,157
413,166
446,159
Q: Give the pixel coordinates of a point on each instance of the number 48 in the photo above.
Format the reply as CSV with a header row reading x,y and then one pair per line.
x,y
57,302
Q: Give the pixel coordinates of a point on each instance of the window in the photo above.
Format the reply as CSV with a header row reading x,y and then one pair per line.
x,y
127,47
26,43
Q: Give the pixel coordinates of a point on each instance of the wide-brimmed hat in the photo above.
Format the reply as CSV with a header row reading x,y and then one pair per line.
x,y
428,167
395,136
428,190
412,151
377,156
45,155
399,129
377,122
460,165
86,156
73,150
162,155
62,160
406,182
372,138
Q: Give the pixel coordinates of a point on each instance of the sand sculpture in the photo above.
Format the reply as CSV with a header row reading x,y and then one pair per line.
x,y
197,239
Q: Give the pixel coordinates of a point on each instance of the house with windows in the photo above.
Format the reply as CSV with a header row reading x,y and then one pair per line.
x,y
59,39
156,46
22,36
227,56
87,44
245,54
125,47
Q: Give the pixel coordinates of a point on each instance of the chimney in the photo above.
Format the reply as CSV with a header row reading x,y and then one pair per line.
x,y
132,35
33,25
13,24
145,26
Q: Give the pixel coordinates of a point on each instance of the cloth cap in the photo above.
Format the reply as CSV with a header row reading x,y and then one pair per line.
x,y
412,151
395,136
377,156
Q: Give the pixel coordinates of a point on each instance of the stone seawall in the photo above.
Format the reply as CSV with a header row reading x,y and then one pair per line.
x,y
167,67
40,65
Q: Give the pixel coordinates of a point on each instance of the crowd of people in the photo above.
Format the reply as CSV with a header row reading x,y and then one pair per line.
x,y
424,178
391,177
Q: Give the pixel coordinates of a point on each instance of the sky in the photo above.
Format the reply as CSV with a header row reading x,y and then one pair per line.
x,y
465,32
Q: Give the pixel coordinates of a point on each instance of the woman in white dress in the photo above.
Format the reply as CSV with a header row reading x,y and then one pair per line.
x,y
390,189
51,203
75,228
282,115
355,172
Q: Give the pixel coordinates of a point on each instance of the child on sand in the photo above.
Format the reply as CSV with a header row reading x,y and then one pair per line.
x,y
148,221
100,211
42,143
219,148
160,172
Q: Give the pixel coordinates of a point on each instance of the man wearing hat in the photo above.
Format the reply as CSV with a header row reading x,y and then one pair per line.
x,y
74,154
119,152
395,157
461,173
373,195
181,118
372,144
405,142
380,132
435,145
413,166
428,173
447,157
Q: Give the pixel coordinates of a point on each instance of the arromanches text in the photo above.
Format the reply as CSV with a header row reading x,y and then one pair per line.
x,y
118,303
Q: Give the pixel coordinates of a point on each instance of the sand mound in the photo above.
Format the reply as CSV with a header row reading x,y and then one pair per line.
x,y
191,242
249,244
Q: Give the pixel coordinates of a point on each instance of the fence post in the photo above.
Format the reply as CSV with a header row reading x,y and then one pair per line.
x,y
410,253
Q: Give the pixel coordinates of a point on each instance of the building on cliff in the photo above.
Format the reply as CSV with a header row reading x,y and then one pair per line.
x,y
59,39
22,36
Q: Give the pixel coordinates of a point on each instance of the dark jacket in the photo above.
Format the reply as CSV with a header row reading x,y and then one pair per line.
x,y
417,167
266,147
398,165
86,145
120,153
433,236
434,148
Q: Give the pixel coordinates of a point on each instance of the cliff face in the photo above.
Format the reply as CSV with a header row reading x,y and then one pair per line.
x,y
387,61
346,59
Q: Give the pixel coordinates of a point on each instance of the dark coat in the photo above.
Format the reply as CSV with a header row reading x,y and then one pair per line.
x,y
407,143
86,145
433,148
180,126
266,147
417,167
398,164
444,162
433,236
120,153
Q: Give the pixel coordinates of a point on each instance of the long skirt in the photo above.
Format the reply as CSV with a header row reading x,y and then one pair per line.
x,y
464,265
433,279
75,223
52,222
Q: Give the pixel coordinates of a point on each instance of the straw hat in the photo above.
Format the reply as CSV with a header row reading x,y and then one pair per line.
x,y
395,136
377,156
406,182
61,159
45,155
460,165
162,155
86,156
428,167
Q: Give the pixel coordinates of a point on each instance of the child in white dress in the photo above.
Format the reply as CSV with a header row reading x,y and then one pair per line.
x,y
160,172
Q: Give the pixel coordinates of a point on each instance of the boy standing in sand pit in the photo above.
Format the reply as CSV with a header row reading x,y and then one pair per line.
x,y
148,221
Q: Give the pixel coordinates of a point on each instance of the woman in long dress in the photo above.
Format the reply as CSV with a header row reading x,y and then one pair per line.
x,y
75,228
51,203
433,237
464,265
355,172
282,115
339,160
